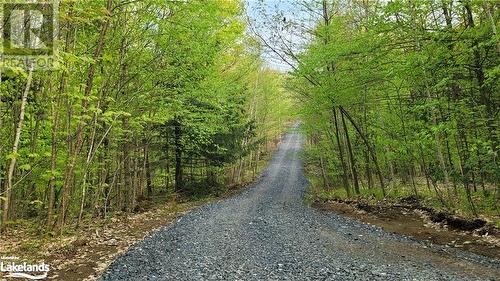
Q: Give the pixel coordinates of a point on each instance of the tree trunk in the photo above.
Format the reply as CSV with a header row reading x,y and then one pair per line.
x,y
53,158
351,155
323,172
368,146
10,173
178,155
127,182
149,186
69,174
345,181
86,168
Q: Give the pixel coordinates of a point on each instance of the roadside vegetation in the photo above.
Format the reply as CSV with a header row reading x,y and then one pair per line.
x,y
400,99
153,101
162,101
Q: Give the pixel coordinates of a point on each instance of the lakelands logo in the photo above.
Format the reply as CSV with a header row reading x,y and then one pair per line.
x,y
15,269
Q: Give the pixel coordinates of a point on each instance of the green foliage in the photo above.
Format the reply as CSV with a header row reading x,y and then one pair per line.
x,y
99,132
422,90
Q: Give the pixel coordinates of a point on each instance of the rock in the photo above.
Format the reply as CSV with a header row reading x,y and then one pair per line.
x,y
268,242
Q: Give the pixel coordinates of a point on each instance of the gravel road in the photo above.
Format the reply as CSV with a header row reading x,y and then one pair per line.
x,y
267,233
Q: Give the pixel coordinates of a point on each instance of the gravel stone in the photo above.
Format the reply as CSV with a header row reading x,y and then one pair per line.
x,y
267,233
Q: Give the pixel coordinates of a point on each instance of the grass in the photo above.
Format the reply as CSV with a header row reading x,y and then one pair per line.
x,y
484,202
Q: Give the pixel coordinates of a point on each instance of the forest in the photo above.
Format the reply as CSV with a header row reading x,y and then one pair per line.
x,y
396,99
402,99
145,104
250,139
